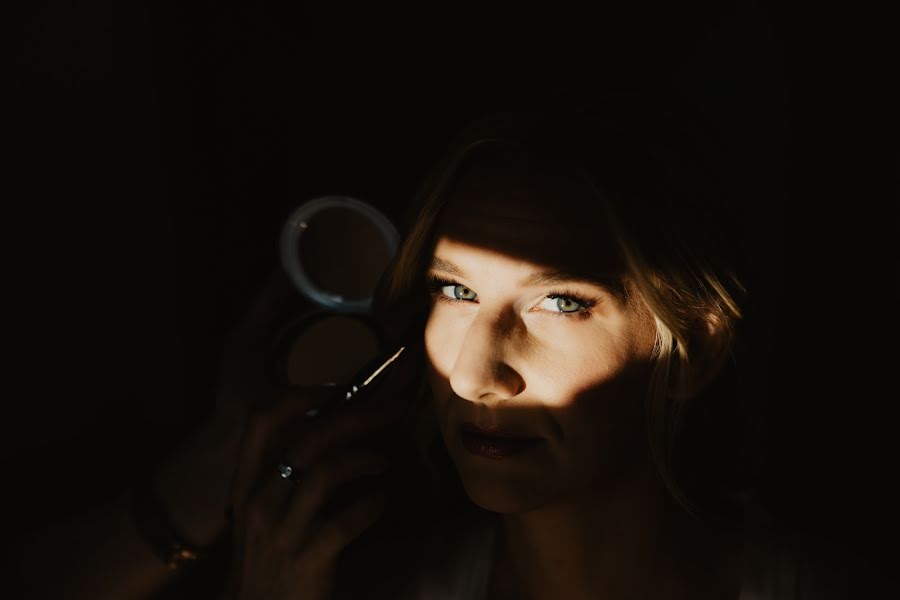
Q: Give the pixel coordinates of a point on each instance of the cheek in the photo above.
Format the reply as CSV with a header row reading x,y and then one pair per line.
x,y
435,344
575,367
438,357
601,395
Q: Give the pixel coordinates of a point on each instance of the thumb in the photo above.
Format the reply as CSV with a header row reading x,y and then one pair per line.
x,y
244,373
268,311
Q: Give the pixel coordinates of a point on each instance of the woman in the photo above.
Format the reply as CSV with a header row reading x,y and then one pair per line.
x,y
572,311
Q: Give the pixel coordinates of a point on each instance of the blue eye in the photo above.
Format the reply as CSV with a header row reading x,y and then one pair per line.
x,y
436,286
459,292
562,304
564,300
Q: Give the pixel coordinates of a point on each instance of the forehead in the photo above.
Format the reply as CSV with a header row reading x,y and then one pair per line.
x,y
532,211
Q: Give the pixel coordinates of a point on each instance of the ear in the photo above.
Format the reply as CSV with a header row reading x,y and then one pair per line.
x,y
709,345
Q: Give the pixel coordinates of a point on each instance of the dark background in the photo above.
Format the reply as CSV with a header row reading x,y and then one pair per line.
x,y
156,152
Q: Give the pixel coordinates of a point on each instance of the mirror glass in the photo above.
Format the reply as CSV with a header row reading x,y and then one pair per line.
x,y
343,253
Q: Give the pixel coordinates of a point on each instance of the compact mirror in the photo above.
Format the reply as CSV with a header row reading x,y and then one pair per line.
x,y
324,347
334,249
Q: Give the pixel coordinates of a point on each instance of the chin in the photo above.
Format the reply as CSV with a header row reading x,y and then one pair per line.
x,y
503,501
498,492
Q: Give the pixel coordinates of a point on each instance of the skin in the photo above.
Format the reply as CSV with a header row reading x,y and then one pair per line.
x,y
585,514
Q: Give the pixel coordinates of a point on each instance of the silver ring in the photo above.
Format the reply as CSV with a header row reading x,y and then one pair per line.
x,y
288,472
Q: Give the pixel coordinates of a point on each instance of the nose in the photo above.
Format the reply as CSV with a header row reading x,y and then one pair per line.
x,y
482,371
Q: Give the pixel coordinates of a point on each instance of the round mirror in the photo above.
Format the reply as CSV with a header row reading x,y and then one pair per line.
x,y
335,249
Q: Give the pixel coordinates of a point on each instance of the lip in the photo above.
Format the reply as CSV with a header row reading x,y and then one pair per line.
x,y
493,431
494,446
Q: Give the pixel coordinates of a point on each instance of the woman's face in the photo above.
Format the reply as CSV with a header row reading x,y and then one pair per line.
x,y
570,370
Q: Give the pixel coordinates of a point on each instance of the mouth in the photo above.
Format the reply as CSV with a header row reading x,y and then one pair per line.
x,y
496,432
495,442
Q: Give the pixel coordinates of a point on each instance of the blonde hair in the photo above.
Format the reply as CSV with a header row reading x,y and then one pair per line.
x,y
659,217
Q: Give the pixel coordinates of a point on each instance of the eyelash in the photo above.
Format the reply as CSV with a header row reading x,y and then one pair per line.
x,y
436,283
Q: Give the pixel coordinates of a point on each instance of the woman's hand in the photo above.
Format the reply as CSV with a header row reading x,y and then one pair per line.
x,y
285,547
245,375
194,484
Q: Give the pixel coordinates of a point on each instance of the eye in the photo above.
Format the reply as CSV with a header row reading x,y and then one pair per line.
x,y
448,291
561,304
456,291
558,304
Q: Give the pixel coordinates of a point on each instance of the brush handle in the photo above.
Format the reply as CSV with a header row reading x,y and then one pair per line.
x,y
359,389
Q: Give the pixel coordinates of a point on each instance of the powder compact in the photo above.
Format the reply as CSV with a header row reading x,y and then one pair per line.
x,y
334,250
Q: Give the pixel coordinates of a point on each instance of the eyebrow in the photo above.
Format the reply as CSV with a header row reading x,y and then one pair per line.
x,y
610,282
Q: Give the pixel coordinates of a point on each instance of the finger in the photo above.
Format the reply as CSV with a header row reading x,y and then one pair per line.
x,y
269,310
337,532
371,409
319,436
318,484
246,357
312,397
264,429
265,505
